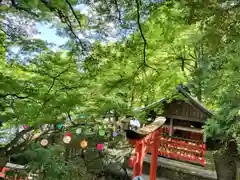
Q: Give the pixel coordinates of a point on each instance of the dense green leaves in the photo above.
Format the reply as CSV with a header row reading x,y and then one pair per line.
x,y
156,46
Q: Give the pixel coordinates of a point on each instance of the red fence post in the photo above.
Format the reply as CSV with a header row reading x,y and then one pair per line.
x,y
154,158
137,168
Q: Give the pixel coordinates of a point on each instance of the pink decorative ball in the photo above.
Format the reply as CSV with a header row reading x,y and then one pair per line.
x,y
25,127
100,147
68,134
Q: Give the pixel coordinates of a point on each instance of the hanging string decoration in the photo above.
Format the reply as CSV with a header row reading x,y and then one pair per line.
x,y
68,134
84,144
99,147
78,131
114,134
59,126
67,138
101,132
44,142
83,153
25,127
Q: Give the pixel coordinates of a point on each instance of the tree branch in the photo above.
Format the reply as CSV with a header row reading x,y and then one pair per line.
x,y
65,20
119,12
14,4
74,14
13,95
141,31
17,138
55,78
144,39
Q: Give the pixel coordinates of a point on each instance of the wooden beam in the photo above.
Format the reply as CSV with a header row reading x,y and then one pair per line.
x,y
189,129
171,127
183,118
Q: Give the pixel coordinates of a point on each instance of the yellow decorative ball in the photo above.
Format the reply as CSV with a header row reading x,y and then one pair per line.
x,y
84,144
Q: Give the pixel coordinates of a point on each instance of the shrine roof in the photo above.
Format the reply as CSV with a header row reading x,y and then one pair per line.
x,y
191,100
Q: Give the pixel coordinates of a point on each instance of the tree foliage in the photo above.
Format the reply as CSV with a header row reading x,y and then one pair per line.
x,y
155,46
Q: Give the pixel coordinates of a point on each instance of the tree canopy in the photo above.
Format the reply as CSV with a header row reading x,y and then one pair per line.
x,y
117,55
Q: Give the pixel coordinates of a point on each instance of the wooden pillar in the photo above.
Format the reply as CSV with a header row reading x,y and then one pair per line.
x,y
154,158
171,127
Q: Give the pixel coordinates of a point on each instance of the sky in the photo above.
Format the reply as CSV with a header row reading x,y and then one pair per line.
x,y
49,34
46,32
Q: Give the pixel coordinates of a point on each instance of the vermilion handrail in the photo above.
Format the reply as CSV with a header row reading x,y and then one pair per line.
x,y
182,149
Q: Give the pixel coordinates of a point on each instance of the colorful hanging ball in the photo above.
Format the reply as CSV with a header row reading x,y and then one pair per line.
x,y
84,144
101,132
115,134
68,134
67,139
25,127
59,126
78,131
44,142
99,147
36,131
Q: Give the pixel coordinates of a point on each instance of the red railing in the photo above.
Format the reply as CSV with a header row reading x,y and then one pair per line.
x,y
175,148
4,170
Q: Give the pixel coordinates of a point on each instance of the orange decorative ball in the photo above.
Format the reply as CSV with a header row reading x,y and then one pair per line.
x,y
84,144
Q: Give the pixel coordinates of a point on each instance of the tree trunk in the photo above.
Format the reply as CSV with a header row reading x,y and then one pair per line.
x,y
225,162
3,158
3,161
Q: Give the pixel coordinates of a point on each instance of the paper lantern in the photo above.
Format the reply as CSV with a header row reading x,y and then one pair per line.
x,y
68,134
59,126
115,134
25,127
44,142
101,132
78,131
67,139
84,144
99,147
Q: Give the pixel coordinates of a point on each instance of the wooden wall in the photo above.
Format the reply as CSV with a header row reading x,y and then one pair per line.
x,y
179,109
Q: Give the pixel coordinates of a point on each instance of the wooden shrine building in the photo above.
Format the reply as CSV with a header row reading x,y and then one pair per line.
x,y
182,135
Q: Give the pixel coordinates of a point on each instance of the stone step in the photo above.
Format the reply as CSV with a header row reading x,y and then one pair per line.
x,y
183,167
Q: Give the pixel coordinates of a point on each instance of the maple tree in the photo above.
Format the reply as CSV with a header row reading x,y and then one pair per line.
x,y
158,46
